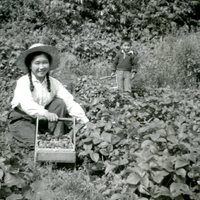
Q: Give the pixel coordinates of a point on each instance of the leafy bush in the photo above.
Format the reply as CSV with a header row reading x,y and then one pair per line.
x,y
20,180
146,19
149,145
173,62
64,184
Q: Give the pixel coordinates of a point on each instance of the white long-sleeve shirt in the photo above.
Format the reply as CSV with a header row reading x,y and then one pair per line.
x,y
33,103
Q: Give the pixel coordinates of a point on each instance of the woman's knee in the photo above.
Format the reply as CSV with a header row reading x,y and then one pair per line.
x,y
56,103
59,102
57,106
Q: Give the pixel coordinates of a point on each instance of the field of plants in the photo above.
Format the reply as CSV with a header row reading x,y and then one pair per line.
x,y
145,147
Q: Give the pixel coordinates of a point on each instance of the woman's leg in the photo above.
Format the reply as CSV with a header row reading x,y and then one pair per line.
x,y
57,106
22,128
23,133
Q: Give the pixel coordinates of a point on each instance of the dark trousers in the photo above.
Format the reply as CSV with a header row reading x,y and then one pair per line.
x,y
22,127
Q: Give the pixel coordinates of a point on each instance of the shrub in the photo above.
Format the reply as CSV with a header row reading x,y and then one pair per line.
x,y
173,61
146,147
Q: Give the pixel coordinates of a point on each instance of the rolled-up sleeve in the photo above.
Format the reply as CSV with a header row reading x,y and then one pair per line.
x,y
73,107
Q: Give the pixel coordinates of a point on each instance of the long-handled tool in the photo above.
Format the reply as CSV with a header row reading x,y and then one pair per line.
x,y
104,78
55,154
107,77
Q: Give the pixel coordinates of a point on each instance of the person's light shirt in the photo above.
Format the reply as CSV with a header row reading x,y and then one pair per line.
x,y
33,103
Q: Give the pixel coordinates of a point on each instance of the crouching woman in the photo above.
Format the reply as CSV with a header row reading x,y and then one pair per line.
x,y
39,95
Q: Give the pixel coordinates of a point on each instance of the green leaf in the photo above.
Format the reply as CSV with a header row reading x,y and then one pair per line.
x,y
41,191
84,153
181,162
15,197
96,141
45,195
2,160
115,139
117,196
146,143
13,180
107,137
142,189
103,145
108,126
87,147
95,101
95,134
177,189
167,165
133,179
94,156
139,170
143,130
101,124
158,176
173,139
181,172
87,141
161,191
123,161
155,136
162,132
104,152
109,167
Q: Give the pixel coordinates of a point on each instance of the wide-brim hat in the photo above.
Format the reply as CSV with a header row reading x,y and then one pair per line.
x,y
38,47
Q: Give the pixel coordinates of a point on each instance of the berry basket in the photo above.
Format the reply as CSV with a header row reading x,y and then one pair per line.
x,y
49,148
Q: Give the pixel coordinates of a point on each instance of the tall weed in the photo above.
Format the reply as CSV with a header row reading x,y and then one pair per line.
x,y
173,61
74,185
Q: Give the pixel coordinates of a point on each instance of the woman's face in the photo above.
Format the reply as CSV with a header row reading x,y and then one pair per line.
x,y
40,66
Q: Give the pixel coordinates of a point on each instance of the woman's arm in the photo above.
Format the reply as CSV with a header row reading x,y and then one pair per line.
x,y
24,100
73,107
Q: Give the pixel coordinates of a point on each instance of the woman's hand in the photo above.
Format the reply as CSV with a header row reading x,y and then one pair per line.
x,y
88,125
52,117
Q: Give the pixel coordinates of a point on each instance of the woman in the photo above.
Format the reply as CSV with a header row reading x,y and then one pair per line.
x,y
39,95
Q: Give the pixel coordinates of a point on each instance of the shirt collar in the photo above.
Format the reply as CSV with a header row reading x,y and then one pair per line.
x,y
130,52
34,79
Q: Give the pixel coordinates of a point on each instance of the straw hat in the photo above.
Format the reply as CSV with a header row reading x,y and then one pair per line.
x,y
38,47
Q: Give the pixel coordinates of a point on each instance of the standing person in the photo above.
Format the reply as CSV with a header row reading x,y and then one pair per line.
x,y
125,66
37,94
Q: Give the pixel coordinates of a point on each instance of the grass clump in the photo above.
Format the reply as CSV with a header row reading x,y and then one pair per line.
x,y
70,185
173,61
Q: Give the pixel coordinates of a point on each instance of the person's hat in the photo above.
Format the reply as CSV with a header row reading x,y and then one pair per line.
x,y
38,47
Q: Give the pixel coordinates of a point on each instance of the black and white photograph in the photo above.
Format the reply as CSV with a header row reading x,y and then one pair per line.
x,y
99,100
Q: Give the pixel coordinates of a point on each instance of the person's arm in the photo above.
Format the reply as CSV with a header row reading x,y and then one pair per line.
x,y
115,63
73,107
24,100
134,62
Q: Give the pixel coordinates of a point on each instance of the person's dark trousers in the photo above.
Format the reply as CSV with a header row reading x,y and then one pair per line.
x,y
57,106
22,126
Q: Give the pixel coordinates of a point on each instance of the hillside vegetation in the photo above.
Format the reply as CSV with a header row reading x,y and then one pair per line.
x,y
142,148
91,30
